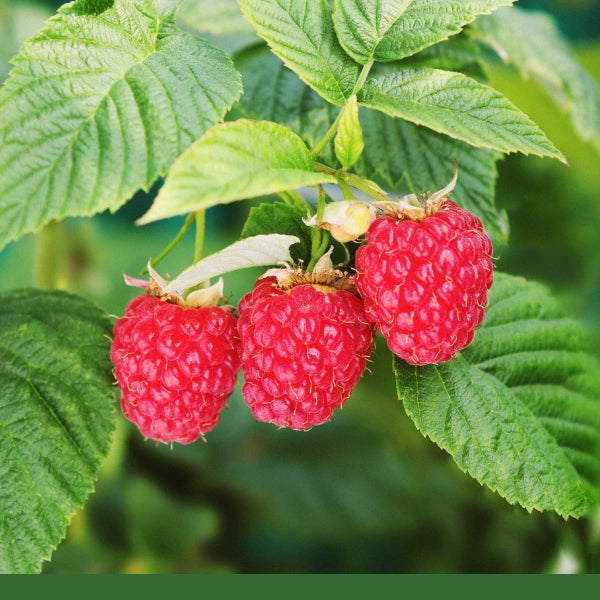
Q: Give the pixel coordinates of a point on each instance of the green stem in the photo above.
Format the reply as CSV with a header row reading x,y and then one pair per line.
x,y
334,127
200,216
348,195
320,238
356,181
363,76
293,198
173,243
328,136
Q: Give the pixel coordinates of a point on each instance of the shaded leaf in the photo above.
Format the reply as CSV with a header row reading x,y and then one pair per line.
x,y
518,409
274,93
56,418
415,159
532,42
283,218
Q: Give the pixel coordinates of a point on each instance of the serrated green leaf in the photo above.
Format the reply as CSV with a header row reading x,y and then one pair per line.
x,y
349,140
518,409
255,251
56,418
532,42
287,219
388,30
235,161
414,159
301,33
456,105
98,106
362,25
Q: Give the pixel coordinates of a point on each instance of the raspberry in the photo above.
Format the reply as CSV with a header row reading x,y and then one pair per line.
x,y
425,281
304,347
175,366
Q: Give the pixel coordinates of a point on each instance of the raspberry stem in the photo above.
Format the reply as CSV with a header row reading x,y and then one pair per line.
x,y
364,185
200,218
172,244
335,125
320,238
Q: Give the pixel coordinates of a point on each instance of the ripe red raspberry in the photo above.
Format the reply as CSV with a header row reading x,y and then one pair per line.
x,y
175,366
425,280
304,347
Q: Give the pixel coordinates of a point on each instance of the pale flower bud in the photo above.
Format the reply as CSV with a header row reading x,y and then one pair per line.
x,y
347,219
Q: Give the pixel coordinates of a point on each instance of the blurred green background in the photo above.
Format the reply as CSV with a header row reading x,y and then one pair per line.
x,y
365,493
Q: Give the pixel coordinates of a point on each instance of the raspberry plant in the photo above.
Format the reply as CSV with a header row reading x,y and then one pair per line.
x,y
327,115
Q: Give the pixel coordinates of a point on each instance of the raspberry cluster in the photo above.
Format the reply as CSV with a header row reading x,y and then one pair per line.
x,y
302,339
175,366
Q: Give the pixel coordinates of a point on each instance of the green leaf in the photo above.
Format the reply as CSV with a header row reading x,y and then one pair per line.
x,y
57,416
98,106
301,33
532,42
362,25
518,409
255,251
278,217
388,30
403,155
235,161
458,106
349,140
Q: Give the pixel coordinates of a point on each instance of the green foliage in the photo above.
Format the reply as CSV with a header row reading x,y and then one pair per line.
x,y
519,410
264,100
100,105
387,31
532,42
57,417
267,218
349,139
458,106
419,162
300,33
235,161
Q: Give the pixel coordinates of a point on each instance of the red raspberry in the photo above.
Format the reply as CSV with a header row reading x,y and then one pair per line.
x,y
425,282
304,347
175,366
